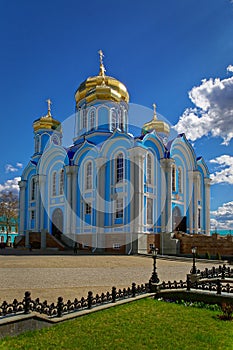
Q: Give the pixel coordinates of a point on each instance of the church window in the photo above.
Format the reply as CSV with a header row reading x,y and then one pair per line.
x,y
54,190
199,218
180,180
149,211
116,246
173,178
87,208
32,214
84,119
119,208
33,189
119,167
121,120
92,120
89,176
149,169
37,144
114,120
61,190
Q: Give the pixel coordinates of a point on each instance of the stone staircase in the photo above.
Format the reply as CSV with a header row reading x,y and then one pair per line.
x,y
35,241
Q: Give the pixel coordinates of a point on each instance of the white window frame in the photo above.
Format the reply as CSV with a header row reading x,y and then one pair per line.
x,y
88,208
113,119
92,119
89,176
116,246
149,211
119,212
61,183
54,183
33,189
120,168
180,180
149,169
173,178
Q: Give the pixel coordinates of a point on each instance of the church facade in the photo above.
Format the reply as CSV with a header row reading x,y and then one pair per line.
x,y
111,190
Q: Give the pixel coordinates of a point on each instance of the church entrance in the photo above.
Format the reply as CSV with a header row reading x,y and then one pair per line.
x,y
57,223
178,221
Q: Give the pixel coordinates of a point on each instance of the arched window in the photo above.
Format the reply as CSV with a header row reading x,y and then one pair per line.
x,y
37,144
54,178
119,208
149,169
33,189
149,211
84,119
121,120
114,120
92,120
119,167
180,180
61,190
173,178
89,176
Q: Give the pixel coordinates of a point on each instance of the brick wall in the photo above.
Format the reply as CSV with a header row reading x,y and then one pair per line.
x,y
213,245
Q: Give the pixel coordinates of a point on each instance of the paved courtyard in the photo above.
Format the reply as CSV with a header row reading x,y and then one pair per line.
x,y
48,277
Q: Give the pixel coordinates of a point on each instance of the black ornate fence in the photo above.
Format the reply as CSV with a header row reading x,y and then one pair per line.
x,y
60,308
216,280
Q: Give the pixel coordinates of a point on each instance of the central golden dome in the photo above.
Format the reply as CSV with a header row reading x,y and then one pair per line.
x,y
101,87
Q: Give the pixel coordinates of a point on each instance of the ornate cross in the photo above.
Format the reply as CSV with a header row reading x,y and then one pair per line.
x,y
49,105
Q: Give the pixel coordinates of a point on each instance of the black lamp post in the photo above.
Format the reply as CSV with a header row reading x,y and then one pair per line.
x,y
154,278
194,269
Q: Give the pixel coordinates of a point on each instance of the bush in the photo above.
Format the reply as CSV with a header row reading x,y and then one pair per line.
x,y
227,310
207,255
218,256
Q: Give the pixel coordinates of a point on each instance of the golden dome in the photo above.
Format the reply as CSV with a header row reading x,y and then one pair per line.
x,y
155,124
47,121
101,87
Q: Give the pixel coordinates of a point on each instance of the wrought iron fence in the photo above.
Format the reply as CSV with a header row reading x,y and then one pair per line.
x,y
217,280
60,308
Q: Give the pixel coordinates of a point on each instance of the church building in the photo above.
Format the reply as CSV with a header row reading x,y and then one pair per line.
x,y
112,190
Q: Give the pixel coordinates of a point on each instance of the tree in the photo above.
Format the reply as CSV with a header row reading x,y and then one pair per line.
x,y
9,204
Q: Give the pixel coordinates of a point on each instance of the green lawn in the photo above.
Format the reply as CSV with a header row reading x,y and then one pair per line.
x,y
144,324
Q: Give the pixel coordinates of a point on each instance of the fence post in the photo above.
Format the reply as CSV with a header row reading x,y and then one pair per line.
x,y
133,289
27,300
188,283
89,299
219,287
113,294
59,307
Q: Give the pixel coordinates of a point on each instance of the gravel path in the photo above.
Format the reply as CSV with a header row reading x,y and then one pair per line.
x,y
49,277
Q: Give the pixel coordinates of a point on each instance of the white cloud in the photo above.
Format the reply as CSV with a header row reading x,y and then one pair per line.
x,y
224,170
10,185
213,111
230,67
9,168
222,218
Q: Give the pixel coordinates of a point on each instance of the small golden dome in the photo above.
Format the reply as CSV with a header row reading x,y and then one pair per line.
x,y
155,124
101,87
47,121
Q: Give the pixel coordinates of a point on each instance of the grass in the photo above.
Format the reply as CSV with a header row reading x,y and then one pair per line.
x,y
144,324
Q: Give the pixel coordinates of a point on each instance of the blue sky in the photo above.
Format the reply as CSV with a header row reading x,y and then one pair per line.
x,y
177,53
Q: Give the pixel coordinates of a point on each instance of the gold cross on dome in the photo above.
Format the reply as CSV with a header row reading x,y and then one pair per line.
x,y
102,68
100,52
154,106
49,106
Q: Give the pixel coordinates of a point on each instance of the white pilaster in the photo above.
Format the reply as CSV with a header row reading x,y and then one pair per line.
x,y
207,205
22,209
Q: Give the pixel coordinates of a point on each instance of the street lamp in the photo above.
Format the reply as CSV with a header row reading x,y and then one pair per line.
x,y
194,269
154,278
